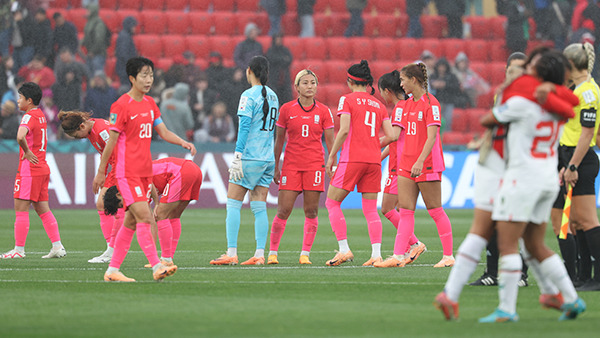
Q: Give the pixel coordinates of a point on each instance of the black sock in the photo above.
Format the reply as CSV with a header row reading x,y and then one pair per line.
x,y
492,255
525,268
585,260
593,241
568,251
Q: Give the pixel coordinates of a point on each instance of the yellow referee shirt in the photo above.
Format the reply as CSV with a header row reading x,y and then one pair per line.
x,y
586,114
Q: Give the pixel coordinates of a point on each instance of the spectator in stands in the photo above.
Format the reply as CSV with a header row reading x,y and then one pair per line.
x,y
42,35
157,88
305,16
36,71
275,9
446,88
202,99
6,17
95,39
280,60
10,121
232,91
414,9
70,75
429,59
190,69
176,112
176,73
99,96
453,10
542,13
216,127
125,48
471,83
65,34
6,64
50,110
12,94
248,48
22,37
517,28
217,74
356,24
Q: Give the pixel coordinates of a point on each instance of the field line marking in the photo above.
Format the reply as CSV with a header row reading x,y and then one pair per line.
x,y
221,282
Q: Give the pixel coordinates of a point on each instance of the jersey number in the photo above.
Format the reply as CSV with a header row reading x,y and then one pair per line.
x,y
318,177
541,144
412,128
44,138
370,123
145,130
271,117
17,185
305,130
166,191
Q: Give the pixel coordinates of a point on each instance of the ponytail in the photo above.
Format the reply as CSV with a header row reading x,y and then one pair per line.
x,y
259,66
360,74
581,55
391,81
425,83
591,56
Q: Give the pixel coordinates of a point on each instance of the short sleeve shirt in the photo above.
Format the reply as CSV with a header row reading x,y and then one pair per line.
x,y
37,141
586,114
98,137
396,146
164,169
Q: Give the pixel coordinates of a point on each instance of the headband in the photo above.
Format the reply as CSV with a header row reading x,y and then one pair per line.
x,y
356,78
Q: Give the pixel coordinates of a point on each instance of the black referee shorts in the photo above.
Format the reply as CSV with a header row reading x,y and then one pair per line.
x,y
587,172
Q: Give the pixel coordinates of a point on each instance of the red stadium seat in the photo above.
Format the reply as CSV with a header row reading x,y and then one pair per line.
x,y
199,5
402,25
339,23
265,41
452,47
474,116
378,68
105,4
362,48
224,44
295,45
109,67
224,23
496,73
248,5
291,5
497,51
173,45
480,27
433,45
177,5
319,67
199,45
75,3
59,4
178,22
386,49
387,6
316,48
111,19
478,67
477,50
78,17
153,22
455,138
337,71
322,26
110,51
371,26
338,6
434,26
153,4
259,18
223,5
320,6
289,24
149,46
485,101
339,48
409,48
460,121
164,63
130,4
201,23
334,92
295,67
498,25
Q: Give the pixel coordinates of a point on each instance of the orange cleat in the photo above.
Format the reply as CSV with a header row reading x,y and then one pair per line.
x,y
225,260
372,261
254,261
415,251
448,307
445,262
164,272
272,259
165,263
117,277
552,301
340,258
391,262
304,260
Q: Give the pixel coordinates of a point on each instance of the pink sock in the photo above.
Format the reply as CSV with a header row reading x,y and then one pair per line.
x,y
165,237
406,228
394,217
442,222
369,208
106,224
336,218
310,232
117,224
21,227
277,229
412,240
176,226
51,226
144,236
122,244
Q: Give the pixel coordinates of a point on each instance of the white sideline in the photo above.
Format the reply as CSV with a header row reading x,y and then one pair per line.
x,y
219,282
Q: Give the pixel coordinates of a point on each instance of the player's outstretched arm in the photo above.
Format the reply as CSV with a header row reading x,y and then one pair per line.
x,y
172,138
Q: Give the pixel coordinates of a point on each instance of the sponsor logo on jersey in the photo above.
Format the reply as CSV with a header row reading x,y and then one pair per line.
x,y
138,191
293,117
283,180
435,110
341,104
420,116
25,119
316,119
243,103
113,118
104,135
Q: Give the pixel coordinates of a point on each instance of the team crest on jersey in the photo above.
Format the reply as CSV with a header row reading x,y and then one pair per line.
x,y
341,104
243,103
435,110
104,135
113,118
138,191
420,117
398,115
316,119
25,119
283,180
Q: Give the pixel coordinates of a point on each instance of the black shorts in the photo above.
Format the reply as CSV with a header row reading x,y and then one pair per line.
x,y
587,172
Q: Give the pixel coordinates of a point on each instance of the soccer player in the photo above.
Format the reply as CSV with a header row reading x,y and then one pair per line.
x,y
33,175
133,116
391,91
253,165
361,118
578,164
420,165
81,125
306,121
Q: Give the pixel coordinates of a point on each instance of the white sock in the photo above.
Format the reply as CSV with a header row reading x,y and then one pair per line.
x,y
509,274
375,250
469,254
554,269
544,284
111,270
343,244
272,253
56,245
304,253
259,253
20,249
109,251
166,259
231,252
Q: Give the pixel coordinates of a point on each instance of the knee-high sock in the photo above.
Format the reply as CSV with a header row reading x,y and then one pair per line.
x,y
336,218
51,226
406,228
144,237
568,251
442,222
165,237
394,217
122,244
467,258
106,224
176,226
261,223
310,232
492,255
232,222
593,240
369,208
118,223
585,261
21,227
553,269
277,229
544,284
508,282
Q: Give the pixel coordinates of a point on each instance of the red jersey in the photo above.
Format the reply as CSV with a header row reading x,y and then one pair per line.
x,y
37,140
164,169
367,114
134,122
416,117
98,137
396,145
304,148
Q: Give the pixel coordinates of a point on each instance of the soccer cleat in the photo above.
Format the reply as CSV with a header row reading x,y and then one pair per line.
x,y
13,254
163,262
391,262
372,261
499,316
449,308
254,261
445,262
304,260
225,260
272,259
104,258
486,280
56,253
523,281
551,301
340,258
163,272
117,277
590,285
571,310
415,251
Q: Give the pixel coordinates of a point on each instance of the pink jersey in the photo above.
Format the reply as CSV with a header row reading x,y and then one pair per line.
x,y
304,148
396,146
367,114
134,122
98,137
37,140
164,169
416,117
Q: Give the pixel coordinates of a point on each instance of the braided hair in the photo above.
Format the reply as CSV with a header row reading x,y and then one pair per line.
x,y
71,120
360,74
391,81
581,55
419,72
260,68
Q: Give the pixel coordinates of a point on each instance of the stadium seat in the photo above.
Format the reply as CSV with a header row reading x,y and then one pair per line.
x,y
402,25
474,116
316,48
478,67
455,138
265,41
434,26
291,5
321,6
199,45
78,17
178,22
496,73
433,45
338,6
173,44
223,5
460,120
409,48
378,68
322,27
296,46
497,51
110,51
153,22
164,63
485,101
224,44
111,19
316,65
452,47
224,23
362,48
104,4
289,25
339,48
371,26
386,49
337,71
60,4
109,67
149,46
200,23
130,4
153,4
248,5
477,50
386,6
122,14
259,18
339,23
480,27
199,5
75,3
177,5
497,25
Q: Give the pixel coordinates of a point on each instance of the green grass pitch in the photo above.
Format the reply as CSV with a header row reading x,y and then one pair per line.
x,y
67,297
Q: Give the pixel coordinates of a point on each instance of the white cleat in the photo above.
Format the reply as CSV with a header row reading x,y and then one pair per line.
x,y
13,254
56,253
104,258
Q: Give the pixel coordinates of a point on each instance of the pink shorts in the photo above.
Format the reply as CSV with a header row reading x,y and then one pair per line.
x,y
184,186
32,188
429,177
310,180
391,185
134,189
365,176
